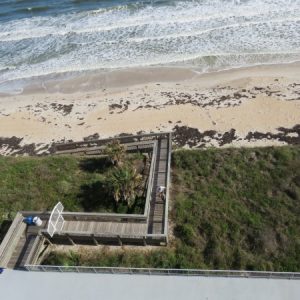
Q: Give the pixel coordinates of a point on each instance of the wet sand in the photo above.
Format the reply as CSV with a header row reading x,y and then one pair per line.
x,y
255,106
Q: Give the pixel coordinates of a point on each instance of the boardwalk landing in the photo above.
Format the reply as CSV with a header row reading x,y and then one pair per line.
x,y
22,243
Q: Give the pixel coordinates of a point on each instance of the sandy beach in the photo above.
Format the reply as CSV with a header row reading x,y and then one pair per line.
x,y
254,106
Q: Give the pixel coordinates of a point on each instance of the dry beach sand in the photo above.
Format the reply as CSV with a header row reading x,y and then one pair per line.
x,y
254,106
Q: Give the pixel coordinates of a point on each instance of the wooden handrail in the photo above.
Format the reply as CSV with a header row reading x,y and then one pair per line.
x,y
35,249
123,139
86,148
168,186
109,235
150,181
10,239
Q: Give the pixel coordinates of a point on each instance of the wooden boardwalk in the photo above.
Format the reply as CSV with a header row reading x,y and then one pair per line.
x,y
156,212
151,227
157,204
94,227
21,252
24,241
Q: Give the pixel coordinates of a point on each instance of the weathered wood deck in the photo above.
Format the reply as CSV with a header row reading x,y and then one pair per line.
x,y
94,227
23,241
151,227
158,205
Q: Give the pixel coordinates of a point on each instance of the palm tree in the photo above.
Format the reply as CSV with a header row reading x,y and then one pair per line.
x,y
116,152
123,183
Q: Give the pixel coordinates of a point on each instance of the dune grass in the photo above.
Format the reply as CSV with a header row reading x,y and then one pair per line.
x,y
231,209
38,183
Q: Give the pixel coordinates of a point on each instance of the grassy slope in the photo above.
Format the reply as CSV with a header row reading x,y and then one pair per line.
x,y
233,209
39,183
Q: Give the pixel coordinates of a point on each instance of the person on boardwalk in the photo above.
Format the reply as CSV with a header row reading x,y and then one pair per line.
x,y
161,192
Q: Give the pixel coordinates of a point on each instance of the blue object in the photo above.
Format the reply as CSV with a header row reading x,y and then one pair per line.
x,y
1,270
29,220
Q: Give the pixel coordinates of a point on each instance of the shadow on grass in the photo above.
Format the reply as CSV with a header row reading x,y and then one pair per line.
x,y
95,164
4,226
94,197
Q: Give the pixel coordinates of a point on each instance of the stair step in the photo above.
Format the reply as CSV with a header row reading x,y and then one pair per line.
x,y
157,219
157,228
156,213
15,259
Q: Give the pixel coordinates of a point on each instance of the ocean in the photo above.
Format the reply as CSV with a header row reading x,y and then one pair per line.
x,y
48,37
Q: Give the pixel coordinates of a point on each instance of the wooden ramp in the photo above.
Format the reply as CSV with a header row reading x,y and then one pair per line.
x,y
157,204
24,244
21,252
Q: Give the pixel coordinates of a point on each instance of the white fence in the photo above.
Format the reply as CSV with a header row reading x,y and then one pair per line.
x,y
56,220
166,272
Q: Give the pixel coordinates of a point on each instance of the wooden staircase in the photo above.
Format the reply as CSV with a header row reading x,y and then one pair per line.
x,y
21,252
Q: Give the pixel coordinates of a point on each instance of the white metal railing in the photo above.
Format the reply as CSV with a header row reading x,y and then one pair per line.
x,y
56,220
174,272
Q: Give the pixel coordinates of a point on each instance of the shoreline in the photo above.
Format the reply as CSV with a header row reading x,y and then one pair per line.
x,y
252,106
89,80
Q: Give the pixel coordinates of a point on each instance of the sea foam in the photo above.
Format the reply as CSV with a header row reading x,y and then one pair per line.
x,y
207,34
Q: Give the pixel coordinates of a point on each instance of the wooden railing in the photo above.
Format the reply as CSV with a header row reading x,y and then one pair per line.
x,y
11,239
103,217
100,150
166,272
122,139
112,217
35,250
150,182
115,217
74,237
168,187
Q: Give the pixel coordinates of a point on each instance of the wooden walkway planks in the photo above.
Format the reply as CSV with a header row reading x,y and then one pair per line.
x,y
115,228
21,252
157,205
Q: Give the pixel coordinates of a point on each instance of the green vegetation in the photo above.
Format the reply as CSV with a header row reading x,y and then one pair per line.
x,y
123,183
115,152
231,209
81,184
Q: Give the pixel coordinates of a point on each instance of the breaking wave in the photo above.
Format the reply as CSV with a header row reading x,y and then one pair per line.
x,y
205,34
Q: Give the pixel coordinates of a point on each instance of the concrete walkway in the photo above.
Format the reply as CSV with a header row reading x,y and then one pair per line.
x,y
73,286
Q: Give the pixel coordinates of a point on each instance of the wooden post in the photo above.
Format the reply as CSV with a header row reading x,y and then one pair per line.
x,y
120,241
95,241
47,240
70,240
